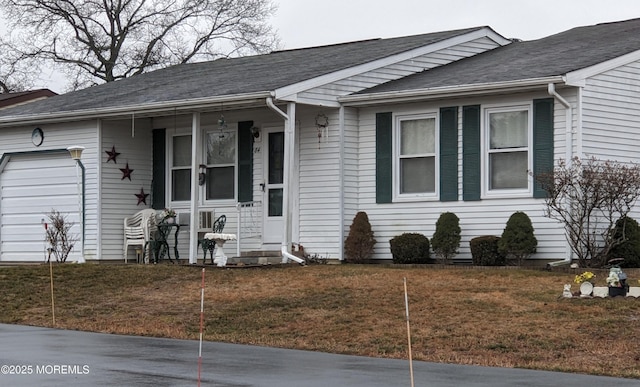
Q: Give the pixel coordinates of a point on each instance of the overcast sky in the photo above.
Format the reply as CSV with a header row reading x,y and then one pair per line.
x,y
305,23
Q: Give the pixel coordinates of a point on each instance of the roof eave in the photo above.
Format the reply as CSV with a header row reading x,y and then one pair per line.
x,y
448,91
235,100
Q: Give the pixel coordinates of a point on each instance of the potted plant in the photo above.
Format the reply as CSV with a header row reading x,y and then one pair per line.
x,y
586,281
168,215
617,282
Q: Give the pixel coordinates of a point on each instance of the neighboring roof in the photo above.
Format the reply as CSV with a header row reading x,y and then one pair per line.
x,y
9,99
236,76
556,55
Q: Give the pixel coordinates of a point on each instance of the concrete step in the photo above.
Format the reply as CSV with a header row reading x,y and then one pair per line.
x,y
257,257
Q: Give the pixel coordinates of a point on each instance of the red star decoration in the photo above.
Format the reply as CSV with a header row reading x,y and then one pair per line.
x,y
142,197
126,172
112,154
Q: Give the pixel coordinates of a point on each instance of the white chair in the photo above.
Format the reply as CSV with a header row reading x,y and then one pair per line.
x,y
138,230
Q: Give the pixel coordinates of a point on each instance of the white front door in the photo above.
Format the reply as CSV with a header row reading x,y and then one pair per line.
x,y
273,144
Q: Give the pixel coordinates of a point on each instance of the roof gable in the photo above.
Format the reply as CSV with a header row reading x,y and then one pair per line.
x,y
556,55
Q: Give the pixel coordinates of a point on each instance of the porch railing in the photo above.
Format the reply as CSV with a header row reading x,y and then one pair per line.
x,y
249,222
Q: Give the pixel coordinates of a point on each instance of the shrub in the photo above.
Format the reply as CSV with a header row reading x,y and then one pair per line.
x,y
410,248
446,239
358,246
517,241
58,236
628,230
484,251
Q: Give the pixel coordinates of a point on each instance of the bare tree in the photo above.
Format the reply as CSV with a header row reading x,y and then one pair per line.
x,y
588,197
16,72
96,41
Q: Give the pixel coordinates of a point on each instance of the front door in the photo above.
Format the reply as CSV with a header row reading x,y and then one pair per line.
x,y
273,184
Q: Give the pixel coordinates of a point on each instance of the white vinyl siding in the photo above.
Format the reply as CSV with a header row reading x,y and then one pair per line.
x,y
477,218
319,184
395,71
118,198
48,187
611,112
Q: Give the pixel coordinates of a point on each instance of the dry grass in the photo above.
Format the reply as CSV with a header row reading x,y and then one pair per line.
x,y
491,317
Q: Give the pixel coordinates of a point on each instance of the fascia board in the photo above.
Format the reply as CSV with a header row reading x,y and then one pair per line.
x,y
156,107
449,91
286,91
579,77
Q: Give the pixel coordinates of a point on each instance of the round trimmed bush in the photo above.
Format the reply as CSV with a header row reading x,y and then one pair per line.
x,y
410,248
446,239
517,240
484,251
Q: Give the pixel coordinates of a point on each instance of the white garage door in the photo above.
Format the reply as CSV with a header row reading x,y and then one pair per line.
x,y
30,187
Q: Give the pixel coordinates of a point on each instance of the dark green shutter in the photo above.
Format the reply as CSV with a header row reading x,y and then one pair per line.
x,y
471,152
245,161
449,154
158,169
384,176
542,141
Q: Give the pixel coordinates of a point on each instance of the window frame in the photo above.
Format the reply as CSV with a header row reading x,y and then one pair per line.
x,y
204,130
171,167
486,151
396,156
231,127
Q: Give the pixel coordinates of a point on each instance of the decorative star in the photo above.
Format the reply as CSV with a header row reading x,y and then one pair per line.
x,y
112,154
142,197
126,172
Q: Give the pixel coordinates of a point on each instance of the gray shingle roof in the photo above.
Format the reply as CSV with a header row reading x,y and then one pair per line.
x,y
231,76
557,54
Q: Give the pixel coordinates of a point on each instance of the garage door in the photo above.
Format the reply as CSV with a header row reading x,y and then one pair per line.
x,y
30,187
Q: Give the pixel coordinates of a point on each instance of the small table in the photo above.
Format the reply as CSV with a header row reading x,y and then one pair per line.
x,y
220,258
162,236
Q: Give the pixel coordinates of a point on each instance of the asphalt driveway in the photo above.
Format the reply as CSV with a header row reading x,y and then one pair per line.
x,y
33,356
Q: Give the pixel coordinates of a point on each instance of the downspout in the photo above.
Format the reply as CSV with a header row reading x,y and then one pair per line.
x,y
341,128
551,89
289,133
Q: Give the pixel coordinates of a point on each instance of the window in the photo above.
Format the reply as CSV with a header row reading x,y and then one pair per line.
x,y
181,168
416,145
221,165
507,133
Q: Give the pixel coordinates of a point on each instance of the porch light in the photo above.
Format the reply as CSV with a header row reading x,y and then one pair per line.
x,y
76,152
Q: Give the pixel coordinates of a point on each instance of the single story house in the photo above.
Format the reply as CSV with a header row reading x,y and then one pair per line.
x,y
290,145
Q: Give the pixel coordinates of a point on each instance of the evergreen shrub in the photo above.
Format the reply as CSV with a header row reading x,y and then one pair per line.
x,y
630,248
518,241
358,246
446,238
484,251
410,248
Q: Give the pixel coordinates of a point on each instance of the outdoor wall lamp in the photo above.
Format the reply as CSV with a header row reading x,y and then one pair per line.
x,y
255,132
202,176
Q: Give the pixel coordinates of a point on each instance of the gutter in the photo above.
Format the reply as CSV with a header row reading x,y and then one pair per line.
x,y
447,91
155,107
284,248
551,89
